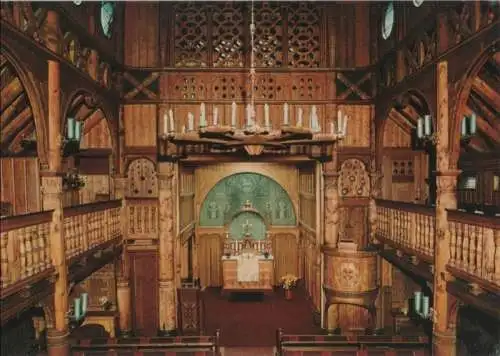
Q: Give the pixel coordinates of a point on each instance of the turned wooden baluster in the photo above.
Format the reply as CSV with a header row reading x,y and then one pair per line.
x,y
453,243
479,232
35,249
23,237
4,261
466,246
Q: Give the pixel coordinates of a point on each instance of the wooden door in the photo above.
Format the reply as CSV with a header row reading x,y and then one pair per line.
x,y
209,260
286,255
144,276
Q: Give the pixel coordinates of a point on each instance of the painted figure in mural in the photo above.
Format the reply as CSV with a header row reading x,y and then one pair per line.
x,y
281,210
212,210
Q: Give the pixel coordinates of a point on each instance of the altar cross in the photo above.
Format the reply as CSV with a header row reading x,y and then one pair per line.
x,y
246,226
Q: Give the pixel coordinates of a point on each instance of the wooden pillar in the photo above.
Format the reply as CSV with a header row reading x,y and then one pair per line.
x,y
331,230
57,336
123,293
166,197
444,332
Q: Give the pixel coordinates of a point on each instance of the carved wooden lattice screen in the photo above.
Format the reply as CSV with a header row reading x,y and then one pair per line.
x,y
287,34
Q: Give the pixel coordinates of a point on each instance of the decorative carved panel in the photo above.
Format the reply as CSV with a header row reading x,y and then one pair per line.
x,y
142,180
140,85
191,37
227,32
303,35
268,35
402,170
354,179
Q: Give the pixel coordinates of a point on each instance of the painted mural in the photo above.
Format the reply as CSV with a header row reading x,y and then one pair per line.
x,y
229,195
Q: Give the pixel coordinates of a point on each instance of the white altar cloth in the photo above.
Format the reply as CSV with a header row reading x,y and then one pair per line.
x,y
248,268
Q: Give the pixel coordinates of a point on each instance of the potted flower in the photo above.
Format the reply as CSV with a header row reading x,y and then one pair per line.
x,y
288,281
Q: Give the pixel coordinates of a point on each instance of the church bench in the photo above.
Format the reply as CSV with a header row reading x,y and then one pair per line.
x,y
148,346
343,345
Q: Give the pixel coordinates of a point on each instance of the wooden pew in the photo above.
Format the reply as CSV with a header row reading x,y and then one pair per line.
x,y
148,346
342,345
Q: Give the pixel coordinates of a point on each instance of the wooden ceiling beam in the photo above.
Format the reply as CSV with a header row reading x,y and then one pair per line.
x,y
92,121
8,134
10,93
7,115
476,104
487,93
400,121
27,131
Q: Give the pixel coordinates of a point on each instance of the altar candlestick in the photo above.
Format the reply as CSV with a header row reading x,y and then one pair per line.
x,y
171,115
190,122
266,115
216,116
233,114
203,121
285,114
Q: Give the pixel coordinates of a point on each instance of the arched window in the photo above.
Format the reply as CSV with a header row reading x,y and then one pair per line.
x,y
417,3
107,17
388,22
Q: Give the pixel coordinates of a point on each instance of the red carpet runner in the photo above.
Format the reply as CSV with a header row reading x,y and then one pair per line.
x,y
252,320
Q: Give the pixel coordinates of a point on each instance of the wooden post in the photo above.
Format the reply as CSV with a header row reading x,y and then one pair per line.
x,y
167,312
444,333
123,293
57,337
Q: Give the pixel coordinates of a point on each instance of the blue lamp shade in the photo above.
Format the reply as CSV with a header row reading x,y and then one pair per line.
x,y
85,301
418,302
78,308
78,130
71,128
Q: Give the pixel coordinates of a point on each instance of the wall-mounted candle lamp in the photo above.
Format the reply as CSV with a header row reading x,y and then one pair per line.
x,y
71,142
421,306
469,128
425,130
76,314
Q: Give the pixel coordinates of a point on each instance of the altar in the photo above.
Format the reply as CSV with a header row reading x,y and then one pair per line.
x,y
247,262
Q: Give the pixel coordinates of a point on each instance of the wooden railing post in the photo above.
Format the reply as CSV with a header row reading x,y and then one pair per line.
x,y
166,199
444,336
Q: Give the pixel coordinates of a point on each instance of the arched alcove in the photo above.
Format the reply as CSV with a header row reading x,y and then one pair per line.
x,y
228,195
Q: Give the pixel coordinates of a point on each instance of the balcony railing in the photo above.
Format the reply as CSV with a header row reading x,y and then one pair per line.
x,y
25,255
409,226
474,242
24,248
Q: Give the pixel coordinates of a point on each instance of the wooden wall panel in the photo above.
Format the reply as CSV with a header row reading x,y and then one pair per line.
x,y
395,135
96,188
20,184
358,126
307,197
144,272
186,197
97,136
140,125
141,34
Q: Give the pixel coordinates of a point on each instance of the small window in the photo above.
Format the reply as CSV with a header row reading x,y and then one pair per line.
x,y
417,3
107,17
468,183
388,22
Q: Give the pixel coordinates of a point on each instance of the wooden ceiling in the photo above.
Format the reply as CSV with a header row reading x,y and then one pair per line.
x,y
484,100
16,115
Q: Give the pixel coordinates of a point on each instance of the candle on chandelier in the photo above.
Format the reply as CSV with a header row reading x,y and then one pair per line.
x,y
216,116
171,115
339,121
285,114
233,114
203,121
165,123
190,122
266,115
299,120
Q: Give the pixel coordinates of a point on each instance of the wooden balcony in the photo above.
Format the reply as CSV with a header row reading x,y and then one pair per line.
x,y
406,232
27,274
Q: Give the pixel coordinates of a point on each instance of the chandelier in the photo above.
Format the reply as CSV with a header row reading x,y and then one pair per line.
x,y
257,135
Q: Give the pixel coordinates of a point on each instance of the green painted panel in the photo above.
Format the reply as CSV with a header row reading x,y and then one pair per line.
x,y
227,197
247,222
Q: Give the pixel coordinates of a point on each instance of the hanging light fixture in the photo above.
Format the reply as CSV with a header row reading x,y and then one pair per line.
x,y
78,311
71,142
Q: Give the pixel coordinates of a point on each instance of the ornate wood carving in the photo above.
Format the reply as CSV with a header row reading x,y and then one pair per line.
x,y
354,179
303,35
191,35
228,35
142,179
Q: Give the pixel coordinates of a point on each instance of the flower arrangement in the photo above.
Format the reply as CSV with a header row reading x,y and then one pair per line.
x,y
289,281
73,181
